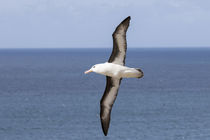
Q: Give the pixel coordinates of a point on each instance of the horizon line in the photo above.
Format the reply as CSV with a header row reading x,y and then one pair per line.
x,y
146,47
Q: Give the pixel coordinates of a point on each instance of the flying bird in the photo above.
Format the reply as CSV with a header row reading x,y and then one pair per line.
x,y
114,70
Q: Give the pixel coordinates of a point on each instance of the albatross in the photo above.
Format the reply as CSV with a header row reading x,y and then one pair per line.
x,y
114,70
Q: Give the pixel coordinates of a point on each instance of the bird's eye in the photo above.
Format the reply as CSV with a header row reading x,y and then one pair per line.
x,y
94,66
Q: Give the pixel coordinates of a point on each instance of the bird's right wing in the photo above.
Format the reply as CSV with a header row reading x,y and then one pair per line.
x,y
107,101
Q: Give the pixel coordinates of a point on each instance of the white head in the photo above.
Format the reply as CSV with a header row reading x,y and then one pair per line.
x,y
97,68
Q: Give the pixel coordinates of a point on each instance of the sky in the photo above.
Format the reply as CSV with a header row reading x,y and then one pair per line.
x,y
90,23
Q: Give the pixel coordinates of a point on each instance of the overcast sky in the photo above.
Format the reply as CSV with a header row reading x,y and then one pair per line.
x,y
90,23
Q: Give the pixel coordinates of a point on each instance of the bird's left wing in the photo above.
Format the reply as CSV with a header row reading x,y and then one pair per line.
x,y
107,101
119,43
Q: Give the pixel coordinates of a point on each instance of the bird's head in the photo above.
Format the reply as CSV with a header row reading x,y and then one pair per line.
x,y
97,68
92,69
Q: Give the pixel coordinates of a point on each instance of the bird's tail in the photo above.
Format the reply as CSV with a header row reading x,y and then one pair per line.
x,y
141,74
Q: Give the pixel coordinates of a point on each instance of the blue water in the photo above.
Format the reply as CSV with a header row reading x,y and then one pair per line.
x,y
44,95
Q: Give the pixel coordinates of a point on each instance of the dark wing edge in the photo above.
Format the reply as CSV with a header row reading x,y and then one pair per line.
x,y
119,43
107,101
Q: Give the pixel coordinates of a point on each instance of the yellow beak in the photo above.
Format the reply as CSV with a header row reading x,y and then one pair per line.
x,y
88,71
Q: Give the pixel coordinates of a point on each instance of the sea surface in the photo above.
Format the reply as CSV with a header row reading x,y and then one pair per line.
x,y
45,95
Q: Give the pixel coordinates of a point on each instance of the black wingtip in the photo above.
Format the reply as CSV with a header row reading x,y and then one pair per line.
x,y
105,125
126,19
129,18
105,119
105,132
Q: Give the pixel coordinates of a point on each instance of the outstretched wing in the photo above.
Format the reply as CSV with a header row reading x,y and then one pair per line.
x,y
112,84
119,43
107,101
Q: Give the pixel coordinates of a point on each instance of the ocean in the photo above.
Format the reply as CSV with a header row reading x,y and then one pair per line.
x,y
45,95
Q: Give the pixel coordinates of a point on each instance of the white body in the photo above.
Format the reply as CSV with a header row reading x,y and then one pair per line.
x,y
116,71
